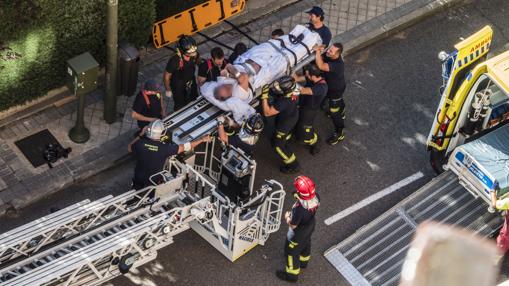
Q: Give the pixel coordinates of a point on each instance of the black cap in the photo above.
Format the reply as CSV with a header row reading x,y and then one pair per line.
x,y
151,85
316,11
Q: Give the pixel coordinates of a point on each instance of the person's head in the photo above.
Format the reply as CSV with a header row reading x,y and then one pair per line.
x,y
284,86
334,51
316,15
187,47
240,48
277,33
151,87
217,56
251,129
156,130
313,73
223,92
304,187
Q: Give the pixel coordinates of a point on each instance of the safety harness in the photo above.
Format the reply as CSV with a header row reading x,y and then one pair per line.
x,y
147,93
210,66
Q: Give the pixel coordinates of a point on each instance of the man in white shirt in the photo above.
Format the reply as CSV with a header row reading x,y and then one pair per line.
x,y
230,94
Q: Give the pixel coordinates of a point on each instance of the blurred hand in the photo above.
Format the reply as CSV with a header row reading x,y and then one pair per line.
x,y
319,48
206,138
168,93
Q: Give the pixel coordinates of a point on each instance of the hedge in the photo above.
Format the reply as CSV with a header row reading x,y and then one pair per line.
x,y
166,8
38,36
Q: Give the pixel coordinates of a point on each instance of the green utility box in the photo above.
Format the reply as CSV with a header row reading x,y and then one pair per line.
x,y
82,73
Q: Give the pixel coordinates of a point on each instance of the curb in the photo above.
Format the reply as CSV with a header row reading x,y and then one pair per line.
x,y
391,23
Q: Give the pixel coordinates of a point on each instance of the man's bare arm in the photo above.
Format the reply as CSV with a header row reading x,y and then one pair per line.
x,y
135,115
195,143
166,80
267,109
320,63
201,80
306,91
222,134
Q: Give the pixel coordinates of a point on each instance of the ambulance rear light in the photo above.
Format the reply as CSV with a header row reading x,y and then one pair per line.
x,y
442,129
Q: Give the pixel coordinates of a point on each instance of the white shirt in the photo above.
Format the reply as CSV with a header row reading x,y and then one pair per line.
x,y
237,90
240,109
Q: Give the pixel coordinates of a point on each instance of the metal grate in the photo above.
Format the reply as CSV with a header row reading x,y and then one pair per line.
x,y
374,255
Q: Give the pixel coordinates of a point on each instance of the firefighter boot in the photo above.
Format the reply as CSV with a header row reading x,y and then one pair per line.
x,y
315,148
336,137
291,168
282,275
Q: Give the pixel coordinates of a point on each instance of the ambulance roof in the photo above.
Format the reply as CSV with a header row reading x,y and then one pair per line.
x,y
498,69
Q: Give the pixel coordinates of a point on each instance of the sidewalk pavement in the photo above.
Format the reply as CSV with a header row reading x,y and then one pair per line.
x,y
356,23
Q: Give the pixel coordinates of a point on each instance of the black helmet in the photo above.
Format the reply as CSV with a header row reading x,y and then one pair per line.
x,y
187,45
313,70
284,85
254,124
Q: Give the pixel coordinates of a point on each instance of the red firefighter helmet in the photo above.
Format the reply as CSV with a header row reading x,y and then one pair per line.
x,y
305,187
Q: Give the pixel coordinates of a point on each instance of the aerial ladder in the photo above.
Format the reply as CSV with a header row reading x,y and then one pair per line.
x,y
91,242
468,145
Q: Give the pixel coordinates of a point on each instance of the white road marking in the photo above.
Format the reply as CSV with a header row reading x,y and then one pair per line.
x,y
348,211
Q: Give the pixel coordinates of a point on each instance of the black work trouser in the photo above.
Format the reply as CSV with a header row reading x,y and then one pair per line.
x,y
284,150
306,131
337,110
297,255
183,93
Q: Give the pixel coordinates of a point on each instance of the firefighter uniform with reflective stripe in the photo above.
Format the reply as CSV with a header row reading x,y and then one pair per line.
x,y
298,243
309,107
287,105
301,221
335,78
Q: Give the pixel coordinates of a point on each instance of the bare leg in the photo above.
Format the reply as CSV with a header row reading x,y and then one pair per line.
x,y
255,66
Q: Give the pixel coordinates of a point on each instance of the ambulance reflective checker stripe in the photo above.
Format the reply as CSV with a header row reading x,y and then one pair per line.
x,y
374,254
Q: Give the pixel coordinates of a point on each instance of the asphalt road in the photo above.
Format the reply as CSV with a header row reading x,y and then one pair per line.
x,y
391,100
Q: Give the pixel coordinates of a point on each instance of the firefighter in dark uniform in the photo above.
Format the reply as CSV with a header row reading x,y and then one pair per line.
x,y
285,108
210,69
316,17
334,72
179,79
311,96
151,152
301,224
246,138
148,106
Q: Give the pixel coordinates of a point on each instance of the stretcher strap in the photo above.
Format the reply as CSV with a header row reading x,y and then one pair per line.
x,y
289,65
298,39
284,47
249,69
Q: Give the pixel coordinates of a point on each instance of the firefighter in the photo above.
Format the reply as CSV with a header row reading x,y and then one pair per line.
x,y
148,106
334,73
151,152
246,137
210,69
301,224
286,111
311,96
316,17
179,79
